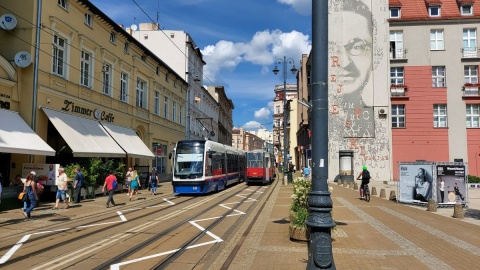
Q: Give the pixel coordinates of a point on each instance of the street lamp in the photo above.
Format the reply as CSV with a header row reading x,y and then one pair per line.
x,y
284,62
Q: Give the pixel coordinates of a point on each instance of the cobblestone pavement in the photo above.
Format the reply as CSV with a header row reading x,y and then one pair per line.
x,y
380,234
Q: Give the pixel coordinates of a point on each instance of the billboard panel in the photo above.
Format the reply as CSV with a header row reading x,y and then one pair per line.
x,y
451,184
416,182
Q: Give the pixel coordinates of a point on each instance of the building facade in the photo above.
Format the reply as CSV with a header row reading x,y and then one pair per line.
x,y
179,51
244,140
303,150
278,118
225,109
95,91
434,85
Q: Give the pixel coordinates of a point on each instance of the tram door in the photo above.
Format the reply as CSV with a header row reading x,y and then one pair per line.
x,y
266,167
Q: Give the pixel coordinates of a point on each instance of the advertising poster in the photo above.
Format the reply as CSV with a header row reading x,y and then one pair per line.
x,y
451,184
46,173
416,182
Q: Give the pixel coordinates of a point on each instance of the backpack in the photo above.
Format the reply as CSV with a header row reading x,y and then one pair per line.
x,y
366,175
114,185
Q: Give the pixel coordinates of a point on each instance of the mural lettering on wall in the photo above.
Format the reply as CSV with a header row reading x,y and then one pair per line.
x,y
356,51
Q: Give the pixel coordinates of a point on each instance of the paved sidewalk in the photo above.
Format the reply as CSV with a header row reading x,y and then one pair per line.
x,y
380,234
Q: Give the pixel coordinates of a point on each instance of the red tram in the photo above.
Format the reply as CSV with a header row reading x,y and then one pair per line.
x,y
260,167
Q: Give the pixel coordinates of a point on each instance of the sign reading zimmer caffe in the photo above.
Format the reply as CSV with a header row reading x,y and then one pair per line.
x,y
97,114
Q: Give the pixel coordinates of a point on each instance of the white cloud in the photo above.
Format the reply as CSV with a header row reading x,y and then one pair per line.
x,y
263,113
252,125
303,7
264,47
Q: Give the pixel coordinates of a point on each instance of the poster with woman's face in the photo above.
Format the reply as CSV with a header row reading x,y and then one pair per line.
x,y
416,183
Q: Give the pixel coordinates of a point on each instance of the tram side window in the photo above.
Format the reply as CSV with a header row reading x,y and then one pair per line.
x,y
208,164
217,163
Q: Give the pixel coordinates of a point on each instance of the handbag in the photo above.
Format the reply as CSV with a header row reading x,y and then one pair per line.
x,y
21,196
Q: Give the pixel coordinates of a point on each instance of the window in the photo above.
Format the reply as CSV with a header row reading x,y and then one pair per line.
x,y
398,116
174,84
469,43
466,10
396,76
438,76
88,19
107,79
440,115
277,109
156,105
141,94
396,45
472,115
180,117
434,11
124,87
113,37
166,77
436,39
470,74
86,69
157,70
59,54
63,3
165,106
174,111
395,13
126,47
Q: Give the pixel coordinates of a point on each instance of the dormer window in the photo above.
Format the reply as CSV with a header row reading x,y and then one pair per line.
x,y
394,12
466,10
434,11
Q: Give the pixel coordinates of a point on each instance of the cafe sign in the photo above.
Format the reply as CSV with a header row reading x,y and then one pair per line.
x,y
96,113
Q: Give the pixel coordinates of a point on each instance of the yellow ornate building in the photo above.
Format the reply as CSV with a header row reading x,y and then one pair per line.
x,y
85,87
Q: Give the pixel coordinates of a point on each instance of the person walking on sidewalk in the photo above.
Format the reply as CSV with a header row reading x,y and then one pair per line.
x,y
31,193
128,179
154,181
108,184
135,184
62,181
78,184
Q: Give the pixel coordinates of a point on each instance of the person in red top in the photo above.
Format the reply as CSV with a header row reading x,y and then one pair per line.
x,y
109,185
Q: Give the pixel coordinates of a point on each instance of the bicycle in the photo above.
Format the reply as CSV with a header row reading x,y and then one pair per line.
x,y
366,192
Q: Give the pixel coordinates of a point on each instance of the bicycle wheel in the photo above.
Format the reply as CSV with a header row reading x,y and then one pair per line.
x,y
367,194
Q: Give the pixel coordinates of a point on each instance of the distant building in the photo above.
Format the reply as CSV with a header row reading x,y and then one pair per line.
x,y
242,139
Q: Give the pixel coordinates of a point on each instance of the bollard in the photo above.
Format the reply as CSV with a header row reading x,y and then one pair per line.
x,y
374,191
458,211
432,205
345,184
392,195
339,182
352,185
355,186
382,193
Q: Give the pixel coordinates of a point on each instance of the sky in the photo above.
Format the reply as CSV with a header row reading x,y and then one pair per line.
x,y
240,42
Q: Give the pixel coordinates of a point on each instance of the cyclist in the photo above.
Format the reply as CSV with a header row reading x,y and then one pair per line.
x,y
364,175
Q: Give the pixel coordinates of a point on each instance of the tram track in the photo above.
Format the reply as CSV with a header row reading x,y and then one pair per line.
x,y
157,236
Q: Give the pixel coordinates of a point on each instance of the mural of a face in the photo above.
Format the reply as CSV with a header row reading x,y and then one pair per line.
x,y
356,57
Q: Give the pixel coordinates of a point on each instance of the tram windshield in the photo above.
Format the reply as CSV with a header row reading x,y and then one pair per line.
x,y
254,160
189,160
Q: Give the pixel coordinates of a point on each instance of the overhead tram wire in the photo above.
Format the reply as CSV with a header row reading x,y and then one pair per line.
x,y
74,68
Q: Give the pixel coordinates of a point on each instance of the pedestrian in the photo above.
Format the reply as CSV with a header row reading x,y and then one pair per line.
x,y
108,184
78,184
154,181
128,179
135,184
31,193
306,171
62,186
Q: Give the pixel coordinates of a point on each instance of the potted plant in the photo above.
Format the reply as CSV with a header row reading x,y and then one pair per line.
x,y
299,209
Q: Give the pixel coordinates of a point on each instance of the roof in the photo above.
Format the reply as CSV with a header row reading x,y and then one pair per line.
x,y
418,9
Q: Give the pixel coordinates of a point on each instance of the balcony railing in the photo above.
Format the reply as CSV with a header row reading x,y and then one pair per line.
x,y
470,89
470,52
398,54
398,90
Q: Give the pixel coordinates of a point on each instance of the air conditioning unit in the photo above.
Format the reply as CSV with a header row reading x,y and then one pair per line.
x,y
382,111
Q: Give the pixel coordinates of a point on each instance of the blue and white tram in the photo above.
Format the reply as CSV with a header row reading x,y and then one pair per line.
x,y
202,166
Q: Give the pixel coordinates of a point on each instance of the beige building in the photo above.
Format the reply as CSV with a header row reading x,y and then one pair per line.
x,y
225,120
92,90
244,140
278,132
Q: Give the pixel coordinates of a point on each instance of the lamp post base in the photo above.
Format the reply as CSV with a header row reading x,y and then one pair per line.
x,y
285,179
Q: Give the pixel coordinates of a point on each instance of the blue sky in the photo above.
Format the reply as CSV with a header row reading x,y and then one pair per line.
x,y
240,40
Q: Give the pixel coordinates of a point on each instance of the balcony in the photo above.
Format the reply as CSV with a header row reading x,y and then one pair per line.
x,y
398,90
470,52
470,90
398,54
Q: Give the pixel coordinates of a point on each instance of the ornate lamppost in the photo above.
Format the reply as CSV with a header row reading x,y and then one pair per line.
x,y
284,62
